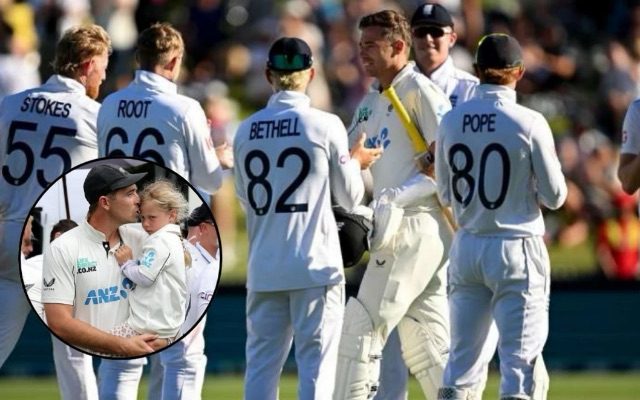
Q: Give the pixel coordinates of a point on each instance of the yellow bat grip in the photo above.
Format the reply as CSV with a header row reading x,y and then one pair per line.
x,y
417,140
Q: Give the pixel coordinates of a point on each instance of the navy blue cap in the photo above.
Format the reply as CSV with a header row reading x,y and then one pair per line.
x,y
431,14
498,51
104,179
289,54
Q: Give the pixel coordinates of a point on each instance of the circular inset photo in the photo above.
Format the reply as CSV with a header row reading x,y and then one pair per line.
x,y
120,258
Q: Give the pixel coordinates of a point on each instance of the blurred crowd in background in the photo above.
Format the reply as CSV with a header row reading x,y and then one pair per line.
x,y
582,60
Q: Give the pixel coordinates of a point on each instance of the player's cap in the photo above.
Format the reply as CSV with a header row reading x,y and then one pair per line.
x,y
199,215
104,179
498,51
289,54
431,14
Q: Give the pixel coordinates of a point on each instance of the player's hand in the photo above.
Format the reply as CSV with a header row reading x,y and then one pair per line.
x,y
224,152
365,156
139,345
425,161
158,343
123,254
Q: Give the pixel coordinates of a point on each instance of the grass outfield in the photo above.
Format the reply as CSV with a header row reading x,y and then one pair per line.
x,y
564,386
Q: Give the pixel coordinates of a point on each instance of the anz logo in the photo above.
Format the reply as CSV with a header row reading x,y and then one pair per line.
x,y
109,294
381,140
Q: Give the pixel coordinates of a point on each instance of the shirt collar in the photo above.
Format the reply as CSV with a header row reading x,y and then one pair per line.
x,y
155,81
289,99
406,70
65,84
490,91
441,74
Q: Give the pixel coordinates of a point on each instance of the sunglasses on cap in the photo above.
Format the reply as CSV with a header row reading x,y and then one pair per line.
x,y
433,31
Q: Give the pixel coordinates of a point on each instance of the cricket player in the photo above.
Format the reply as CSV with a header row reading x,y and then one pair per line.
x,y
74,369
178,371
84,294
496,165
45,131
293,159
404,284
149,119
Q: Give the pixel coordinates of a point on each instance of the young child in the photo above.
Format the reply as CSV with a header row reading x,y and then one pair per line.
x,y
157,304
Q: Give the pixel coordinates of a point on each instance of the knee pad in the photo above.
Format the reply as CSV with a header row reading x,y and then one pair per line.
x,y
450,393
359,355
425,357
540,380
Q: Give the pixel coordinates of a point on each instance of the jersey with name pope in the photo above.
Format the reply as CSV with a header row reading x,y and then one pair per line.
x,y
495,163
149,119
80,270
291,160
45,131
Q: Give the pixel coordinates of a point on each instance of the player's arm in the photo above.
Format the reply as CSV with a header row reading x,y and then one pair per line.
x,y
81,334
629,166
347,187
206,171
155,256
551,185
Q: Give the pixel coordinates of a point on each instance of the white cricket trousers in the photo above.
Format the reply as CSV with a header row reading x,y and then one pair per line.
x,y
312,319
506,279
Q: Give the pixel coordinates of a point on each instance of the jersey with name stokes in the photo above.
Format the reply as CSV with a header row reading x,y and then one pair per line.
x,y
150,120
79,270
291,159
43,132
495,163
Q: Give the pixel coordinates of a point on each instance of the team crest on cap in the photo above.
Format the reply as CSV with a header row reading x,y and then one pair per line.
x,y
429,9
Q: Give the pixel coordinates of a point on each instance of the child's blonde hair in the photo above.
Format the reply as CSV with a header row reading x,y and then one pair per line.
x,y
167,196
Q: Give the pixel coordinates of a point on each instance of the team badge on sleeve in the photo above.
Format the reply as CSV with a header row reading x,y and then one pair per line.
x,y
147,259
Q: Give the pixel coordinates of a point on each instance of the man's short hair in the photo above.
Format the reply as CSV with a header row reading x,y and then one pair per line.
x,y
157,45
394,24
61,227
78,45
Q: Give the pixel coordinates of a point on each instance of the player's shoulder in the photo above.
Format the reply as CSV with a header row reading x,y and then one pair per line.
x,y
465,77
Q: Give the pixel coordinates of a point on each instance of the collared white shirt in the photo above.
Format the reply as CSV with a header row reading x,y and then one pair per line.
x,y
160,308
45,131
457,84
496,163
80,269
149,119
291,160
425,103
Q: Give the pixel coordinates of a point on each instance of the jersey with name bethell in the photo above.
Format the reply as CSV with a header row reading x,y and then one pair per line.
x,y
45,131
202,278
79,270
631,131
160,308
149,119
457,84
425,103
495,163
292,160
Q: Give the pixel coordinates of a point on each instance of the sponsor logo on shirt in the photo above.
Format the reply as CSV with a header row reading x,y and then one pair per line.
x,y
109,294
84,265
148,258
47,285
206,296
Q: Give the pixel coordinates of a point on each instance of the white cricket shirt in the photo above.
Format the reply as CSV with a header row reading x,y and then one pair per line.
x,y
496,163
80,270
45,131
631,131
291,159
425,103
160,308
457,84
149,119
202,279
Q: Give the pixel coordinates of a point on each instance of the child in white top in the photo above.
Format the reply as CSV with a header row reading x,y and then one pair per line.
x,y
157,303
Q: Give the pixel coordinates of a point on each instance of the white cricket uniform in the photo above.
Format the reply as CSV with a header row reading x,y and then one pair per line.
x,y
182,369
631,132
45,131
407,279
458,86
150,120
160,308
495,164
74,369
81,270
291,160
